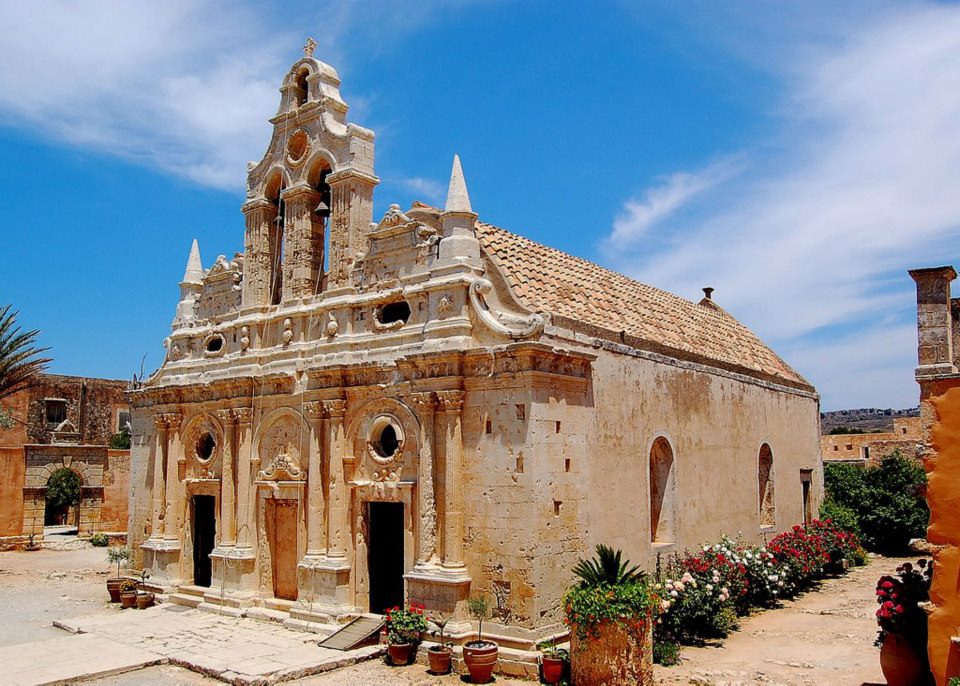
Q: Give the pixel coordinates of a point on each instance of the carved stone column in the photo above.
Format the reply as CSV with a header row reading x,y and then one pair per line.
x,y
453,517
162,550
159,477
303,254
228,527
259,248
352,212
316,532
426,405
334,448
244,418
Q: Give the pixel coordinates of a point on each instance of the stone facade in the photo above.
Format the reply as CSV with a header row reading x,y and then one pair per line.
x,y
938,326
428,407
907,436
64,422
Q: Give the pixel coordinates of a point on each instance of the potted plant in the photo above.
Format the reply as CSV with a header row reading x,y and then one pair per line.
x,y
903,624
440,654
610,614
117,555
128,593
144,598
480,656
553,662
404,629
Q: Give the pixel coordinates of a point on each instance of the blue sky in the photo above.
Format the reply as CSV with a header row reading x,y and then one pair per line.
x,y
797,157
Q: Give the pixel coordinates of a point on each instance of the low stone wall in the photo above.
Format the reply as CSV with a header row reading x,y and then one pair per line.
x,y
11,491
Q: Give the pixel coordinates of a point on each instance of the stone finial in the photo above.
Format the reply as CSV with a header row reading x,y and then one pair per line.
x,y
458,200
309,47
194,271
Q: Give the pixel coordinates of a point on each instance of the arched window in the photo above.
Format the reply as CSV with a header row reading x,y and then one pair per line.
x,y
273,193
768,508
662,492
303,89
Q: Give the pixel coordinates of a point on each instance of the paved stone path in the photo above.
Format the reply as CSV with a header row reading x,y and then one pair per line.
x,y
238,650
821,638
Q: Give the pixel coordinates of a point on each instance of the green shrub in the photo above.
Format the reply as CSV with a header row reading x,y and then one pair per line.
x,y
63,488
666,653
842,516
121,439
886,498
99,540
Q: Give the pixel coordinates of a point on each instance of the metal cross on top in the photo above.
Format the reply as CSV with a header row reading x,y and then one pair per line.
x,y
310,46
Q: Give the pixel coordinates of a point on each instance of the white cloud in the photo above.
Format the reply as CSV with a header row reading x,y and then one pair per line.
x,y
864,185
431,190
660,202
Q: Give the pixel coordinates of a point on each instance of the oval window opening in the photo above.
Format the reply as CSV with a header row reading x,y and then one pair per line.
x,y
205,446
395,312
388,442
215,344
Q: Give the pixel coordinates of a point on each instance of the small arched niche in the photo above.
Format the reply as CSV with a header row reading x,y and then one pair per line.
x,y
303,87
765,492
662,492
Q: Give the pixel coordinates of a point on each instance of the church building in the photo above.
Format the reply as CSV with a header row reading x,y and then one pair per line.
x,y
352,414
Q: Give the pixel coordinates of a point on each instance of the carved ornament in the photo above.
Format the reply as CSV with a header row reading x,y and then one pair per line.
x,y
504,323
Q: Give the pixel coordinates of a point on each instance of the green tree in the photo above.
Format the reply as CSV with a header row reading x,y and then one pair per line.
x,y
63,488
21,361
885,500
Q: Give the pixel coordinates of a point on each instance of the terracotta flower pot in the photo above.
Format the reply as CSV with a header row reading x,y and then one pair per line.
x,y
481,659
439,657
400,653
901,664
113,588
552,669
144,600
128,599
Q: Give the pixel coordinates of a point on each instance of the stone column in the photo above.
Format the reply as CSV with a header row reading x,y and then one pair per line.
x,y
258,251
244,419
334,447
159,477
453,529
228,527
316,532
171,524
352,198
303,255
934,321
426,405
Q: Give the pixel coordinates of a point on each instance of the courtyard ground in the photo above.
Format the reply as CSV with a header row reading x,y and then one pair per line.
x,y
823,637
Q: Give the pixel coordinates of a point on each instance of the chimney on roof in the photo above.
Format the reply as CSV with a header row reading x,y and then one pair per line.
x,y
459,244
708,292
707,300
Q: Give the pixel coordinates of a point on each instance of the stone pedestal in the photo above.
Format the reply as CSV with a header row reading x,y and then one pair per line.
x,y
323,590
161,557
233,584
441,590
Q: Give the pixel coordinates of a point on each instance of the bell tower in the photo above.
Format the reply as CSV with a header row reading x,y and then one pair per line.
x,y
310,199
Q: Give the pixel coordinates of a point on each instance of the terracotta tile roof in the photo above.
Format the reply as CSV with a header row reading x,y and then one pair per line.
x,y
547,280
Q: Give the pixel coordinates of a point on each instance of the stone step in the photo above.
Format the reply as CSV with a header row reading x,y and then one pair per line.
x,y
198,591
266,614
184,599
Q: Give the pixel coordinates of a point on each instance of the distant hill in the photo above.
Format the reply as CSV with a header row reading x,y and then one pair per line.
x,y
866,419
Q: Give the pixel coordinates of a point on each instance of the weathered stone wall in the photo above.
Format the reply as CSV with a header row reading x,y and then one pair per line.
x,y
116,487
905,437
11,491
716,425
101,400
140,485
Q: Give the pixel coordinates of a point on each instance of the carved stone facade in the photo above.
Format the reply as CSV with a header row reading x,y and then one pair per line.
x,y
403,424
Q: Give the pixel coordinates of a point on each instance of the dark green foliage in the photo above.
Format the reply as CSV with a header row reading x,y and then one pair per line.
x,y
846,431
63,488
606,568
99,540
842,516
121,439
666,653
886,499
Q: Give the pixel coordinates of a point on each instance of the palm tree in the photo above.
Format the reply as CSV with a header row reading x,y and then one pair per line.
x,y
20,359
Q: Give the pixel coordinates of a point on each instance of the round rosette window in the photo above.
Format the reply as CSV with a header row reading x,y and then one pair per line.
x,y
205,446
386,439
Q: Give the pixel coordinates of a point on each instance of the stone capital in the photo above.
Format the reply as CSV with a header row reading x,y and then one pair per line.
x,y
313,410
346,175
450,401
257,204
335,409
167,420
424,402
243,416
226,416
300,192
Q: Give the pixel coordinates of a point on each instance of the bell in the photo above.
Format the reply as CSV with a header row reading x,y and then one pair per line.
x,y
322,209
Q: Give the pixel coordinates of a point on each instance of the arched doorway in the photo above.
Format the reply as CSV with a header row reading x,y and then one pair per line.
x,y
63,498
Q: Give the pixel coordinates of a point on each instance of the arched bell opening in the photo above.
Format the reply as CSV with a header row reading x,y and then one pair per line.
x,y
273,191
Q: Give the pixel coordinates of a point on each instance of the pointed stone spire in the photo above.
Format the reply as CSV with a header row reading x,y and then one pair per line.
x,y
457,198
194,271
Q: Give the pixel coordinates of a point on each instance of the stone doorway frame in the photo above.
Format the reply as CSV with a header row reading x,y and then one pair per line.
x,y
194,487
277,490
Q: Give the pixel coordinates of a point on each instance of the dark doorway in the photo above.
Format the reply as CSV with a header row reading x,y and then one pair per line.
x,y
204,533
385,556
806,477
